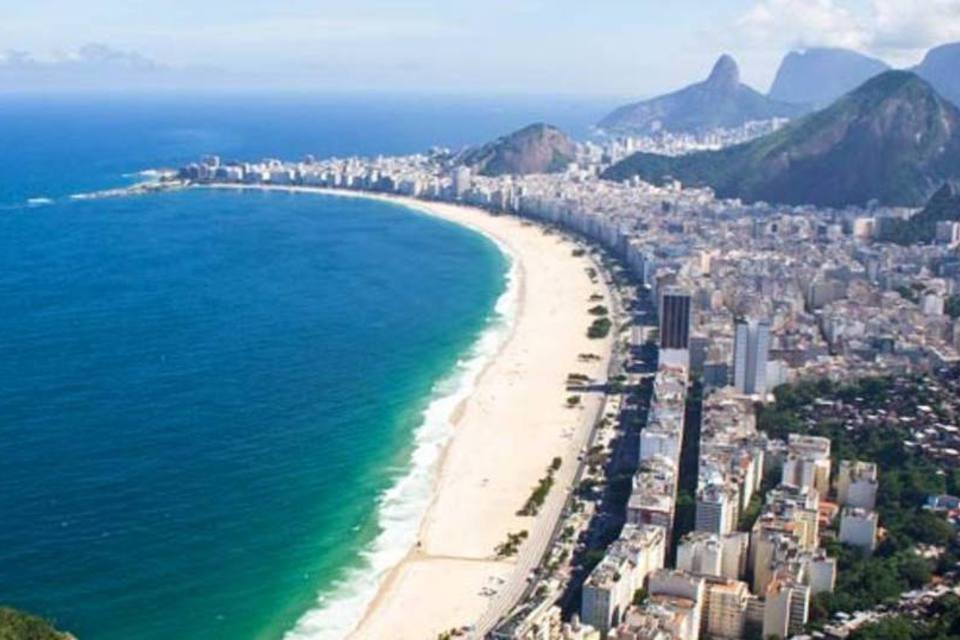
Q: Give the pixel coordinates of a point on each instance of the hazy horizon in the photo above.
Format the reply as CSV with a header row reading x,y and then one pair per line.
x,y
607,48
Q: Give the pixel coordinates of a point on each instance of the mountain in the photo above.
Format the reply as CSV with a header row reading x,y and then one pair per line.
x,y
894,139
941,68
720,101
821,75
538,148
943,206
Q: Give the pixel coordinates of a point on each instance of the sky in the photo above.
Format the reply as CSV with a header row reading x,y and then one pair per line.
x,y
580,47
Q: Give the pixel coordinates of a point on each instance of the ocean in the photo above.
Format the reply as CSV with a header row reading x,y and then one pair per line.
x,y
218,410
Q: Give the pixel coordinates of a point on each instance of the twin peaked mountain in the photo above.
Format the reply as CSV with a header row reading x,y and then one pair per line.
x,y
892,137
720,101
893,140
806,80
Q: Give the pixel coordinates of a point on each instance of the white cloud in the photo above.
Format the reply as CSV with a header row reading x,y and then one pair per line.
x,y
903,29
898,29
800,23
89,56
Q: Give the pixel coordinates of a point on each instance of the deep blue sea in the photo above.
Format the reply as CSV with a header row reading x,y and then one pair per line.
x,y
211,402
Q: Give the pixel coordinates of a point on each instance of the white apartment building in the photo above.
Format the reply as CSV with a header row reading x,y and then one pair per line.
x,y
726,608
700,553
683,592
609,590
858,528
857,484
786,608
807,463
718,508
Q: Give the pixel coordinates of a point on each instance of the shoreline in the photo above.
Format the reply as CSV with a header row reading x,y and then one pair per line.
x,y
500,437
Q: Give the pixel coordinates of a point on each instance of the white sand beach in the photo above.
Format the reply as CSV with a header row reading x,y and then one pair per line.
x,y
505,436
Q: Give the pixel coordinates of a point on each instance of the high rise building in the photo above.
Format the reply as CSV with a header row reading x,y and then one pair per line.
x,y
675,318
857,484
717,509
858,528
726,608
786,610
807,463
751,348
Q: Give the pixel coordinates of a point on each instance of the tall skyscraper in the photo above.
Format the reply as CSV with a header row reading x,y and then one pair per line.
x,y
675,319
751,348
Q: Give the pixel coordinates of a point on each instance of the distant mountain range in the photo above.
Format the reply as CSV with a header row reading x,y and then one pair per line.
x,y
538,148
806,80
941,68
894,140
820,76
721,101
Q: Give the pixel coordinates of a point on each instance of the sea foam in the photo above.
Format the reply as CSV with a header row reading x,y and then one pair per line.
x,y
401,508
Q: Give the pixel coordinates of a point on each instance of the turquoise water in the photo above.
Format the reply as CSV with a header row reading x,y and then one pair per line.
x,y
204,395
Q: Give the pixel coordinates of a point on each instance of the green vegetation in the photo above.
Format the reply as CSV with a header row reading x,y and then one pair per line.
x,y
573,401
911,293
15,625
944,206
599,329
532,506
595,458
599,310
512,545
906,479
596,297
942,623
639,597
537,148
891,166
952,306
753,510
579,253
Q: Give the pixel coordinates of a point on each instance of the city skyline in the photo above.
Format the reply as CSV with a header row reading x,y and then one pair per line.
x,y
608,48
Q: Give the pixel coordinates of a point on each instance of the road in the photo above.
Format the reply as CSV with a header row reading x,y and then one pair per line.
x,y
547,525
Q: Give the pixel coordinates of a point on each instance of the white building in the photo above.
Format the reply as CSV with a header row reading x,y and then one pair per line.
x,y
683,592
857,484
807,463
786,608
858,528
709,554
821,573
750,351
610,587
726,609
718,508
700,553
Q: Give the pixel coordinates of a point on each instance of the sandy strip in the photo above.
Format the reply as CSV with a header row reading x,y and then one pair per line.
x,y
505,436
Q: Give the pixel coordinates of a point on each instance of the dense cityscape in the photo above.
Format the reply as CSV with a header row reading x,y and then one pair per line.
x,y
732,525
480,321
